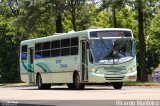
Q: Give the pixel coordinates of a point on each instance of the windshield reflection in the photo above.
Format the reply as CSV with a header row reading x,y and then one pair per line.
x,y
112,51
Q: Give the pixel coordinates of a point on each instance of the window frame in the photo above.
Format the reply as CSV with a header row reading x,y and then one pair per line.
x,y
59,50
24,52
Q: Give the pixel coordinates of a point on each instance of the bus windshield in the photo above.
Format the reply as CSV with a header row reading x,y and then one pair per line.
x,y
112,51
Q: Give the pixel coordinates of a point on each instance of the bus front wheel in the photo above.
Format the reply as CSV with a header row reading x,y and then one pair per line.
x,y
76,82
117,85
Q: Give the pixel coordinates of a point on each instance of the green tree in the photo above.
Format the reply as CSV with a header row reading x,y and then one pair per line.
x,y
8,45
36,19
113,6
75,7
153,44
144,9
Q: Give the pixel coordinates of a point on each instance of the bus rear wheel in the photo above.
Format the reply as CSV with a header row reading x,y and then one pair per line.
x,y
40,84
76,82
117,85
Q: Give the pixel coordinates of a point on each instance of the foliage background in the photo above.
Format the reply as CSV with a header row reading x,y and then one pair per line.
x,y
29,19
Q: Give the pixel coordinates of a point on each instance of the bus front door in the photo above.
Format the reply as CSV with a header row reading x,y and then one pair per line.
x,y
84,62
30,65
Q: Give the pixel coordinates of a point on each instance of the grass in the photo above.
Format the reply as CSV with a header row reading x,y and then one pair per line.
x,y
142,83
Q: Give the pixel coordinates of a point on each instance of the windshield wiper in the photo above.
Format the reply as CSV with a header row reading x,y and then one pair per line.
x,y
102,40
105,46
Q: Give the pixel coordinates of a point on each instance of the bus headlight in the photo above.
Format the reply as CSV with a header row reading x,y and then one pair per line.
x,y
131,70
98,71
93,70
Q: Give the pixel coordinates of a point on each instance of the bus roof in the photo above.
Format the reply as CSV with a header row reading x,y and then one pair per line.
x,y
101,29
57,36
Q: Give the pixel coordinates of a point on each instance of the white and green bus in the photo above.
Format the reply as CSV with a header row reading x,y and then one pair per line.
x,y
105,55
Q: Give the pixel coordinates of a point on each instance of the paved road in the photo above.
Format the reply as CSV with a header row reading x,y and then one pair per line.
x,y
91,93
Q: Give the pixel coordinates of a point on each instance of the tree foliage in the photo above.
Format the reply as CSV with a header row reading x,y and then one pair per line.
x,y
38,18
8,45
113,6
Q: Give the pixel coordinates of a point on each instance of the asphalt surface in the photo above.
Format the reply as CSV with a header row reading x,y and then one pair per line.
x,y
90,96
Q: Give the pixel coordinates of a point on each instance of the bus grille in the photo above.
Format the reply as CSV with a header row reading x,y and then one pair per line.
x,y
114,78
114,71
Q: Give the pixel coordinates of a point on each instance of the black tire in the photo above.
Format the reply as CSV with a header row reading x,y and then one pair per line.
x,y
117,85
76,82
70,85
47,86
41,85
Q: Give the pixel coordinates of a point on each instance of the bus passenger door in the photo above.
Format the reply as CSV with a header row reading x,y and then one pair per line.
x,y
84,62
30,65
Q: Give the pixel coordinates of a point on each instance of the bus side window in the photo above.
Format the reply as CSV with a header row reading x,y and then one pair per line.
x,y
38,50
24,52
74,46
55,48
74,41
46,45
65,47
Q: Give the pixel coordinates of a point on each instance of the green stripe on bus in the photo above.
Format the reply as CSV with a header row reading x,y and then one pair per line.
x,y
28,67
44,67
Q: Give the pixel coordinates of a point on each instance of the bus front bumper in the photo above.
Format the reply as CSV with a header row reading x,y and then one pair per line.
x,y
103,78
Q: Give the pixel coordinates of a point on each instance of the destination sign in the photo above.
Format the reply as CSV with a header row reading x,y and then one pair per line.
x,y
110,34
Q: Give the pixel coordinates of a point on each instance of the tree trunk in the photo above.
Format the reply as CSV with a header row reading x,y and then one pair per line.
x,y
59,24
18,39
58,18
142,45
74,21
17,63
114,17
73,12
